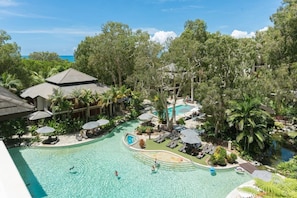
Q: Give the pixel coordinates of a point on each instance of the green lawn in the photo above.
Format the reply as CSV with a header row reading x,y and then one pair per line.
x,y
151,145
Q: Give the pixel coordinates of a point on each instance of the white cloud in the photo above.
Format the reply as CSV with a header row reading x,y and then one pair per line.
x,y
7,3
263,29
242,34
162,36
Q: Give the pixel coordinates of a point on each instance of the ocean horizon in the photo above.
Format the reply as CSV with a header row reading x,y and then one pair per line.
x,y
69,58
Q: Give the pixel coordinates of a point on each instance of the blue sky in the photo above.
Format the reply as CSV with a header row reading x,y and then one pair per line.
x,y
60,25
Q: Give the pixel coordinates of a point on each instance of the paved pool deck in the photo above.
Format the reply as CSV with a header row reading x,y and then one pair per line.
x,y
11,182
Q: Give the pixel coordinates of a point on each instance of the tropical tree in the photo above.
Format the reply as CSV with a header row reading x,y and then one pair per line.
x,y
86,98
59,102
250,123
45,56
10,82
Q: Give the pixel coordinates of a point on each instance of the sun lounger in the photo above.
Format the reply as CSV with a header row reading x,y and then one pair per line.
x,y
212,150
182,148
162,139
157,138
173,145
200,155
169,144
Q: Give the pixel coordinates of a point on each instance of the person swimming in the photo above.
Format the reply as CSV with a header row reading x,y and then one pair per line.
x,y
71,168
153,169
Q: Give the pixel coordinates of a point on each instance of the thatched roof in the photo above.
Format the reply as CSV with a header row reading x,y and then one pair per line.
x,y
70,76
68,81
11,106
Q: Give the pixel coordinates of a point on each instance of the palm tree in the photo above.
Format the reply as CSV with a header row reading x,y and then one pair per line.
x,y
86,98
10,82
59,102
105,101
249,121
122,94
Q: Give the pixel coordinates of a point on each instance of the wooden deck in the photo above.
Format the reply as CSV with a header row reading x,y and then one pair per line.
x,y
248,167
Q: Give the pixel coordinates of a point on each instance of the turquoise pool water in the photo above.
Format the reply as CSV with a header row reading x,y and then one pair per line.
x,y
179,110
46,171
130,139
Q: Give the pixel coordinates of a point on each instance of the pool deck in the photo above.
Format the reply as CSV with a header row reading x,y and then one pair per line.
x,y
11,182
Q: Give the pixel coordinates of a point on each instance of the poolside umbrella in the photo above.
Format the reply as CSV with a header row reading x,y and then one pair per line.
x,y
191,139
262,174
102,122
145,117
45,130
90,125
189,132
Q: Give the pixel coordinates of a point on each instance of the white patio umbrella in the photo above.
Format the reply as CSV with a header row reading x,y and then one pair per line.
x,y
145,117
189,132
190,139
90,125
45,130
102,122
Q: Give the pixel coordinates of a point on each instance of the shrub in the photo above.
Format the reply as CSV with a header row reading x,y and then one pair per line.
x,y
181,121
231,158
142,143
219,156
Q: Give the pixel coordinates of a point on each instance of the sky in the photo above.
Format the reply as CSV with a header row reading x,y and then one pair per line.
x,y
60,25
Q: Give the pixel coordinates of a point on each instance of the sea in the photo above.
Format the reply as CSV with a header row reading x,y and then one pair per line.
x,y
69,58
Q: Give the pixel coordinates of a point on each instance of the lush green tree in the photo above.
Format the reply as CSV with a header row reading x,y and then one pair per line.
x,y
109,55
59,102
10,82
45,56
285,21
10,59
250,122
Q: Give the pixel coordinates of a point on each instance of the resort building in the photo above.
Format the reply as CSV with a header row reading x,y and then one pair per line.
x,y
66,81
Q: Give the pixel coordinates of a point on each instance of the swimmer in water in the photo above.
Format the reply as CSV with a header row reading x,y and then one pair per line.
x,y
71,168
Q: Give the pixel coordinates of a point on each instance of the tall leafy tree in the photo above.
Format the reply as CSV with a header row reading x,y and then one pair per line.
x,y
10,59
110,54
285,21
45,56
250,122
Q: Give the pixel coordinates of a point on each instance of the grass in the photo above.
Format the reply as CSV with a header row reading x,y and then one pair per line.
x,y
151,145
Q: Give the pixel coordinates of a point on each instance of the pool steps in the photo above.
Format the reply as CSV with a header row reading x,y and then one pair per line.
x,y
171,166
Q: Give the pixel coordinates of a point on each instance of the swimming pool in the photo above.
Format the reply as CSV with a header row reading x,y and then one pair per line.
x,y
46,172
179,110
130,139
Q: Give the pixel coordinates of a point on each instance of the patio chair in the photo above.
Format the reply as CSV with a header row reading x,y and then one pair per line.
x,y
173,145
162,139
157,138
